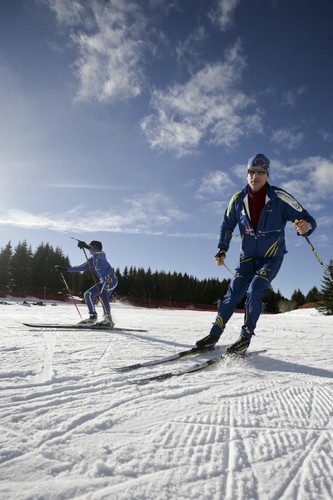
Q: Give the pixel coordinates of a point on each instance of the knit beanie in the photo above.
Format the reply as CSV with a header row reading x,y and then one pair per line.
x,y
259,160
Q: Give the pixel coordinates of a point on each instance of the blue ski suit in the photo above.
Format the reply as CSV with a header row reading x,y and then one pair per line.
x,y
106,276
262,250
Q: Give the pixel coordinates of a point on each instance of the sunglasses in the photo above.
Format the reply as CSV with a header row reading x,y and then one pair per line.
x,y
252,171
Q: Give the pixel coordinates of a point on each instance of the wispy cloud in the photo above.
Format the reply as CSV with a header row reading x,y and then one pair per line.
x,y
80,185
74,222
214,183
223,12
208,107
112,38
151,213
68,11
291,97
288,138
326,135
322,175
189,51
312,181
327,221
109,39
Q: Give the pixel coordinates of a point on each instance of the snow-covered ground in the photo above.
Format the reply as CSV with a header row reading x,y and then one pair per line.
x,y
73,428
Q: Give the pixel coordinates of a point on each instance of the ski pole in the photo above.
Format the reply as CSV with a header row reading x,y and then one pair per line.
x,y
70,293
315,252
319,259
228,268
326,269
312,247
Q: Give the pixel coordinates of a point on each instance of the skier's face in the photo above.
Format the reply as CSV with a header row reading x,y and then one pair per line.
x,y
256,178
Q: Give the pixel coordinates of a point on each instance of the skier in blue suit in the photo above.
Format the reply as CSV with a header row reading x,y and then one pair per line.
x,y
102,289
261,212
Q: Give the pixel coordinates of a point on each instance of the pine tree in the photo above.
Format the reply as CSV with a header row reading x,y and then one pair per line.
x,y
21,266
326,297
5,268
298,297
44,273
313,295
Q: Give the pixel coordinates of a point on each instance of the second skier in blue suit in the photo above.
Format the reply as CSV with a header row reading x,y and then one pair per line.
x,y
103,289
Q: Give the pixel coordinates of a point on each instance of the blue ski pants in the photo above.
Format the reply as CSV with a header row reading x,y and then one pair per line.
x,y
253,276
103,291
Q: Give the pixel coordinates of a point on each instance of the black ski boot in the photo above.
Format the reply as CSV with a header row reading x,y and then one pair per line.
x,y
240,346
89,321
211,339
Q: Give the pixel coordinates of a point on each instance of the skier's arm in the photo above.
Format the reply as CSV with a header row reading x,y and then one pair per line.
x,y
293,211
79,269
228,224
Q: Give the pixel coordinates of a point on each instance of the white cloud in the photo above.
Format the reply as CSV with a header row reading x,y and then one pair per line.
x,y
327,221
189,50
215,208
310,181
134,222
288,138
326,135
69,12
214,183
321,175
109,38
209,106
89,186
290,97
150,214
223,13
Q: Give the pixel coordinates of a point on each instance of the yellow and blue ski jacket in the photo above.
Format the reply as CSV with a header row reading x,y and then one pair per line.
x,y
269,238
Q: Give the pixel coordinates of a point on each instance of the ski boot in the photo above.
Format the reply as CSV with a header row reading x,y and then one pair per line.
x,y
89,321
106,321
211,339
240,346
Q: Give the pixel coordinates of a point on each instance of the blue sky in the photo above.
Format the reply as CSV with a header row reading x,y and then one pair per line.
x,y
131,122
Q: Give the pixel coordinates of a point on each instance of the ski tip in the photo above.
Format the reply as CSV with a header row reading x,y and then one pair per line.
x,y
246,354
128,368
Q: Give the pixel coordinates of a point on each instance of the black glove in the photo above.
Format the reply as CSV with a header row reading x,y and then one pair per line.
x,y
219,257
61,269
83,244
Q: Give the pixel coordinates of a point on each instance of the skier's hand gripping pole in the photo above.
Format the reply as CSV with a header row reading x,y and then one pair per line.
x,y
219,259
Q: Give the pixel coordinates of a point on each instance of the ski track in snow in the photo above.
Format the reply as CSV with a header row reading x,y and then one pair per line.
x,y
73,428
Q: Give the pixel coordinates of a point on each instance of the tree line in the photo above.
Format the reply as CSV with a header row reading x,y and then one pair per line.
x,y
27,273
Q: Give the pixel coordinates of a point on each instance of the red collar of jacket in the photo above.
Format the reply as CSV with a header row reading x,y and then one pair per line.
x,y
256,203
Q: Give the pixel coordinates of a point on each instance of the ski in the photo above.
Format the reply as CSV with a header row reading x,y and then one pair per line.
x,y
182,354
83,327
201,365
